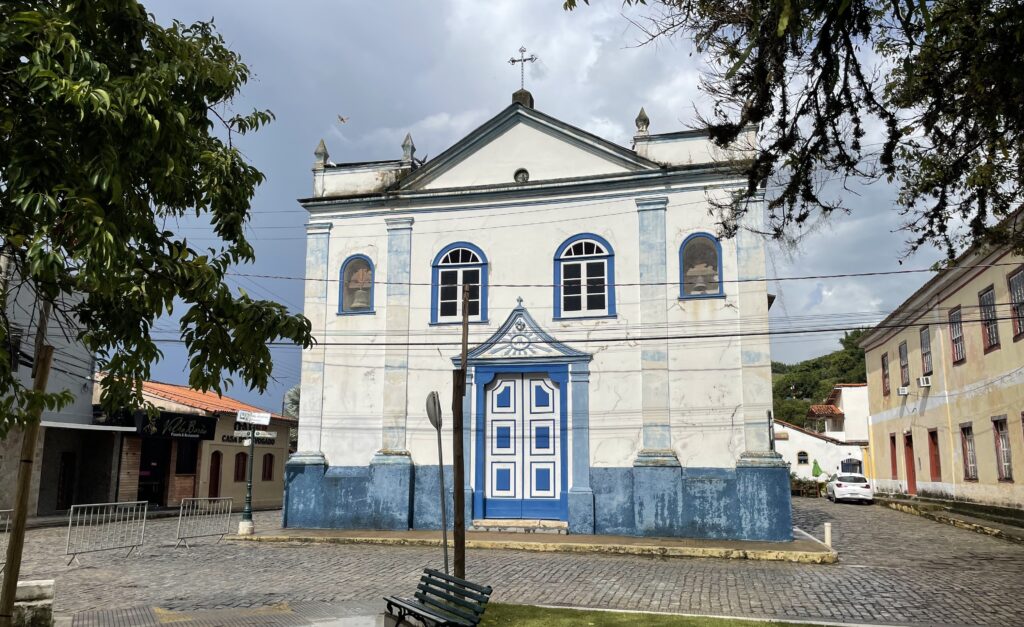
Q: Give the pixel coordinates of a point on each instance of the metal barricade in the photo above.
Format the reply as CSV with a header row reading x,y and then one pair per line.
x,y
203,517
105,527
5,534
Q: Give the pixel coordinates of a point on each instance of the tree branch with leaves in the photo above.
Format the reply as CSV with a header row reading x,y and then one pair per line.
x,y
112,126
926,95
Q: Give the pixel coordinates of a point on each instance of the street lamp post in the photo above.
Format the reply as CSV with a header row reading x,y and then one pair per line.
x,y
251,419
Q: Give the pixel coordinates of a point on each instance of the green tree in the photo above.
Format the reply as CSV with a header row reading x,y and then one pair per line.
x,y
797,386
112,127
929,95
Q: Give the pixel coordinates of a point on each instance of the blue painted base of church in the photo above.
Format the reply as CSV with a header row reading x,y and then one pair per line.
x,y
750,502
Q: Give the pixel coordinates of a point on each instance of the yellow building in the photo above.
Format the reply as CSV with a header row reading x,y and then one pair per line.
x,y
946,385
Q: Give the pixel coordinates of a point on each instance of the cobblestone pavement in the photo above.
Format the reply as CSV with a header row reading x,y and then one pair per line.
x,y
894,568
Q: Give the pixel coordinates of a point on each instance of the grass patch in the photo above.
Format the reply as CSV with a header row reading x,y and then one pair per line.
x,y
502,615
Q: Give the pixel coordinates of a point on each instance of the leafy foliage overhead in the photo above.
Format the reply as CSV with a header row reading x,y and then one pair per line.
x,y
111,128
929,95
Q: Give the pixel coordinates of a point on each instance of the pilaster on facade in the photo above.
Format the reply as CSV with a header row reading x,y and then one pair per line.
x,y
396,351
653,301
755,347
318,236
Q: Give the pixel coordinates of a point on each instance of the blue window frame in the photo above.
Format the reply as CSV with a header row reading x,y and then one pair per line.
x,y
584,278
355,294
458,264
700,267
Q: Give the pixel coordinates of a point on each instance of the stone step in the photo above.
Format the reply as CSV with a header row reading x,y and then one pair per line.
x,y
520,525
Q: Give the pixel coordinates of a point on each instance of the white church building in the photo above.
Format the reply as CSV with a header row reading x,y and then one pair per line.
x,y
619,370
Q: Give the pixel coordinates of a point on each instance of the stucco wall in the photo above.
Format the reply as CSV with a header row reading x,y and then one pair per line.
x,y
986,384
265,494
673,416
854,403
707,404
829,455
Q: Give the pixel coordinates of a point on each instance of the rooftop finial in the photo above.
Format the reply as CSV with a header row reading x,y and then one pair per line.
x,y
408,149
642,122
321,156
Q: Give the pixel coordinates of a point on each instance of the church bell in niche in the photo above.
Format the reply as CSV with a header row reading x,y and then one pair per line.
x,y
358,281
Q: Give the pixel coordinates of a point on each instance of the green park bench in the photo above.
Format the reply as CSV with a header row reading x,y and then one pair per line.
x,y
441,599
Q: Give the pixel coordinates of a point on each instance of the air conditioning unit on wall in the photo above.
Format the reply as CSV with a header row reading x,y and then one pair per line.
x,y
903,391
924,382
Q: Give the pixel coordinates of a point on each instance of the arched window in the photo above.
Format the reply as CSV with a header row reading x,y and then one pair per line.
x,y
241,463
700,267
456,265
356,293
268,466
801,457
584,277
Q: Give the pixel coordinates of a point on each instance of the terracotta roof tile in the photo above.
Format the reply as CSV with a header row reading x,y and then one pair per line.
x,y
207,401
824,410
820,436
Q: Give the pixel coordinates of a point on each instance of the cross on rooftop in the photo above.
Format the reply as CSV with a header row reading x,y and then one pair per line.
x,y
522,61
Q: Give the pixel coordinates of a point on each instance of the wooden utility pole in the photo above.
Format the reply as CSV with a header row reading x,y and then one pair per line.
x,y
16,541
459,478
30,433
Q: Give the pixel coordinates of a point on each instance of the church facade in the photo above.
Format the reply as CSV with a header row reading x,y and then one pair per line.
x,y
618,373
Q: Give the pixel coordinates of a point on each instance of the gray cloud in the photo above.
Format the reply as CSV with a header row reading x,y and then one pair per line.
x,y
437,70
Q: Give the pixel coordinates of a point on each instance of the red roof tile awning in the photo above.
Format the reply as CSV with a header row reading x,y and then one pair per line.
x,y
206,401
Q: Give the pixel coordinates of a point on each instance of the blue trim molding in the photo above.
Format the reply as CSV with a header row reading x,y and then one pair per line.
x,y
609,278
435,271
718,253
341,287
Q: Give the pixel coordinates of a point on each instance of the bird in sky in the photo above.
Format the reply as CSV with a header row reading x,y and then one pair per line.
x,y
342,119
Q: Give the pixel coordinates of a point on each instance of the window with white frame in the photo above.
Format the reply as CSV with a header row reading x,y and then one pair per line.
x,y
802,458
956,336
904,365
584,271
885,373
926,351
1016,283
1003,461
989,322
970,459
700,267
456,266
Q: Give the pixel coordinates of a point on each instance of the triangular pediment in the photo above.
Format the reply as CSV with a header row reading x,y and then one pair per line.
x,y
523,138
520,337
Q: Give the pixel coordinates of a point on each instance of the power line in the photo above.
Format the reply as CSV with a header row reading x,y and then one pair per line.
x,y
808,277
649,338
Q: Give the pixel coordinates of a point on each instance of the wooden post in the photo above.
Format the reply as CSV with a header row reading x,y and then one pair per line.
x,y
16,541
459,478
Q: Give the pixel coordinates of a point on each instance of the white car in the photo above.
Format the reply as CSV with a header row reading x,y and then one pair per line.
x,y
849,486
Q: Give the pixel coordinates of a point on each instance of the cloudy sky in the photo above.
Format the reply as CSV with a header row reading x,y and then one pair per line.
x,y
438,69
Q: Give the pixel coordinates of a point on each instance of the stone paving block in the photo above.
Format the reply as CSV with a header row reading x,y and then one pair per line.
x,y
893,568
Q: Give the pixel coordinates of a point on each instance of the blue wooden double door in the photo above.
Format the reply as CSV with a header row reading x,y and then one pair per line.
x,y
524,456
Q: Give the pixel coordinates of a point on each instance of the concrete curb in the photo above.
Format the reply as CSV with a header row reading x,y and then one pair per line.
x,y
801,557
956,522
